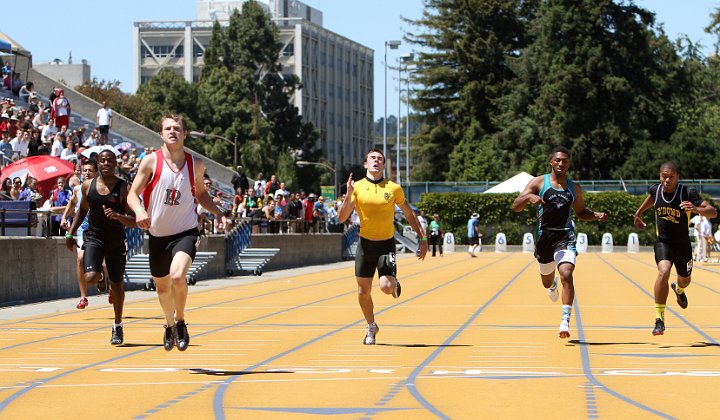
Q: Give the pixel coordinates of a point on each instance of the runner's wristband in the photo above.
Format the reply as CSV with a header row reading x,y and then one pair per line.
x,y
139,209
424,238
69,236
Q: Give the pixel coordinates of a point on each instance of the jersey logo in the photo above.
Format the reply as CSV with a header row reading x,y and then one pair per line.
x,y
387,196
172,197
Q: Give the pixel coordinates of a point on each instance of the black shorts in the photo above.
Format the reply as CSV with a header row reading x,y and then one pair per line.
x,y
552,241
163,249
678,253
367,259
474,240
97,249
103,129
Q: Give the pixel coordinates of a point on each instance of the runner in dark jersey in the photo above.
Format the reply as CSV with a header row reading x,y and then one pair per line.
x,y
104,200
673,204
556,197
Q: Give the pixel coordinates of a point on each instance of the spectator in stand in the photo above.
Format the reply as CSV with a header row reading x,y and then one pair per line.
x,y
251,204
6,70
21,142
30,188
93,138
38,120
16,84
239,180
61,110
272,186
33,107
25,91
282,190
59,197
237,202
259,186
5,146
49,131
16,188
58,145
309,207
13,126
76,177
268,213
6,193
103,118
70,152
294,213
5,122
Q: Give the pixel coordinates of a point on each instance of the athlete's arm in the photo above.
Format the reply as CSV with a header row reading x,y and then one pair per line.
x,y
637,217
583,212
143,176
415,223
704,209
70,207
70,242
529,195
124,218
202,196
347,206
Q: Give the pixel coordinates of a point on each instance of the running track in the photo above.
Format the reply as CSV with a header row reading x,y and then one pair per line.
x,y
469,338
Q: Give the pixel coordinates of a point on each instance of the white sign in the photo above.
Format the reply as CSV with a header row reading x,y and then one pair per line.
x,y
607,242
582,243
528,243
633,244
500,242
449,243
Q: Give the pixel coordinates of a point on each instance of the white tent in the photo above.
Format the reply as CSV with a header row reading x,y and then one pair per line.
x,y
515,184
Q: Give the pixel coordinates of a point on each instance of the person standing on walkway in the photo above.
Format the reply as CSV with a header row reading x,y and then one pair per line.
x,y
375,198
170,181
436,234
104,200
103,119
556,197
473,231
673,202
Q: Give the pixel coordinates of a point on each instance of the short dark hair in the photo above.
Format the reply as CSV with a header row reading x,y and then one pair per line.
x,y
560,149
671,166
374,150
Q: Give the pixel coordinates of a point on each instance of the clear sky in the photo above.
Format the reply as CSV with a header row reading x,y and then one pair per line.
x,y
101,32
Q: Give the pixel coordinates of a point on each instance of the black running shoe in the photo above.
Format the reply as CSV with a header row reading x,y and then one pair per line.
x,y
659,327
169,338
681,297
398,289
182,338
102,283
117,336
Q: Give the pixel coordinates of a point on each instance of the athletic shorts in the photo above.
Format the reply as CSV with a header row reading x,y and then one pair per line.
x,y
112,250
551,241
367,259
103,129
163,250
474,240
678,253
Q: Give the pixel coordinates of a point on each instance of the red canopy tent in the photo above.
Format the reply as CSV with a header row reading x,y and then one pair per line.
x,y
46,169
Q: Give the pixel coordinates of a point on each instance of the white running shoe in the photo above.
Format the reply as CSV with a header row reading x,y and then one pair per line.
x,y
564,329
370,332
553,292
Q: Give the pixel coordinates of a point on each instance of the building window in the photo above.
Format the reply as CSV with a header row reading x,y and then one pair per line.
x,y
198,51
289,50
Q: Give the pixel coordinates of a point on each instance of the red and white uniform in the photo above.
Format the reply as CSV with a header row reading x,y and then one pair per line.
x,y
171,195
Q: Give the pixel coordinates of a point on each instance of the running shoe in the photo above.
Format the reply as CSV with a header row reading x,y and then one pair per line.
x,y
553,292
182,338
564,329
681,297
659,327
370,331
117,335
397,290
82,304
169,338
102,284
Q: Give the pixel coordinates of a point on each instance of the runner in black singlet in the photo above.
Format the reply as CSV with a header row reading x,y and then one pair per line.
x,y
104,200
673,204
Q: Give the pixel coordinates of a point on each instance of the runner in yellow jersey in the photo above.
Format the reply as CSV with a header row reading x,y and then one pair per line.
x,y
375,198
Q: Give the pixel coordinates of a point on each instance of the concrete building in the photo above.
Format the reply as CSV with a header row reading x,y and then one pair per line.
x,y
336,72
72,74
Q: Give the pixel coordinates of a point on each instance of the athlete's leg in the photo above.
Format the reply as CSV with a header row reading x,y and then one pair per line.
x,y
118,299
661,282
178,278
565,272
365,298
80,274
163,287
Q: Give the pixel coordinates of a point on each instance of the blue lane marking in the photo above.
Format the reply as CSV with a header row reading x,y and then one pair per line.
x,y
413,376
222,388
657,356
585,355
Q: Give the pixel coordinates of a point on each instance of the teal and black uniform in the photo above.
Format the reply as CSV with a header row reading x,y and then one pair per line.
x,y
556,230
672,224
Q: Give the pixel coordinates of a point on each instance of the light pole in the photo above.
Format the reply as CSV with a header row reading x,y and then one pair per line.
x,y
407,59
393,46
302,163
233,142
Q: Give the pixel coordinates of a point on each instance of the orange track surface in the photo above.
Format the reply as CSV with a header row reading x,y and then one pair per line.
x,y
468,338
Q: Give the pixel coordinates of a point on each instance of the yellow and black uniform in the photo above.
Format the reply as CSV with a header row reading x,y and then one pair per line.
x,y
375,204
672,224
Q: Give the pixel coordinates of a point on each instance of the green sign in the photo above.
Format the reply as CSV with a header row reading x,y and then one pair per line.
x,y
328,191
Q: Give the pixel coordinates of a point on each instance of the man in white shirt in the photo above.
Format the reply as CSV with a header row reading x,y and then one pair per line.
x,y
21,142
104,122
57,145
49,131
